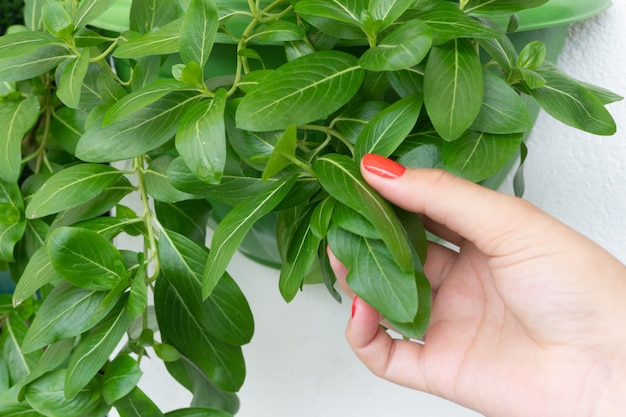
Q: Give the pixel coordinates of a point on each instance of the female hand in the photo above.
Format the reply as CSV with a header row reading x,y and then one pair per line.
x,y
528,319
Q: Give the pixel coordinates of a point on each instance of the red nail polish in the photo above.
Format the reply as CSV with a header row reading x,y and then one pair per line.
x,y
383,167
354,306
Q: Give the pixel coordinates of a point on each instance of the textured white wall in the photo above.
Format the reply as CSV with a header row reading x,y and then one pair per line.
x,y
298,362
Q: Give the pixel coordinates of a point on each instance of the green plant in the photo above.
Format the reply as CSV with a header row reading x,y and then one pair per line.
x,y
265,110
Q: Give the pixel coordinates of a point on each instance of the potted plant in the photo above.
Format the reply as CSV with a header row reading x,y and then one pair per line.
x,y
237,115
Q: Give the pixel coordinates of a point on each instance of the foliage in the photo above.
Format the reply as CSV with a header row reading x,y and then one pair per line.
x,y
265,109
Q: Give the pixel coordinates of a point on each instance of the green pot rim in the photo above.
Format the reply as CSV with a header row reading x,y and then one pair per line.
x,y
553,13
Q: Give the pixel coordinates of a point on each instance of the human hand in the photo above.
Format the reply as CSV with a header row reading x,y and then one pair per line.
x,y
528,318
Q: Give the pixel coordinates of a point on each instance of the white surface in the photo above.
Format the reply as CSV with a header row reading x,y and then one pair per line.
x,y
299,364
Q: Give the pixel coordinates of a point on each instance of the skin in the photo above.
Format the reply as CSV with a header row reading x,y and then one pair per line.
x,y
529,316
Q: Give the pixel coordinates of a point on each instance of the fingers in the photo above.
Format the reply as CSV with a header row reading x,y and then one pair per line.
x,y
395,360
473,212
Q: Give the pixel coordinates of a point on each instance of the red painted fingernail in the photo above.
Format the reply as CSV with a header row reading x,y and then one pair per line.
x,y
354,306
383,167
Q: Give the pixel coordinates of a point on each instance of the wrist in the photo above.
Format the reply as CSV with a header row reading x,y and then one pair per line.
x,y
610,387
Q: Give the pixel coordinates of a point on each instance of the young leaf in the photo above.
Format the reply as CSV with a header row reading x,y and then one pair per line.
x,y
503,110
233,228
532,56
453,87
67,312
283,154
85,258
198,31
94,349
477,156
375,276
404,47
55,16
70,187
389,128
120,378
70,84
17,119
340,177
46,396
327,79
567,100
201,138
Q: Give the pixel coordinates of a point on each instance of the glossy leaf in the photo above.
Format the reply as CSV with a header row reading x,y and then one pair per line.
x,y
477,156
375,276
386,12
283,154
55,17
223,363
570,102
32,64
69,88
502,7
201,138
135,134
188,218
278,31
165,40
351,122
389,128
353,222
340,177
67,312
46,396
120,378
88,10
233,228
137,404
94,349
301,91
404,47
419,325
19,362
159,185
453,87
19,43
13,227
146,16
85,258
198,31
17,119
349,11
503,110
198,412
321,216
225,314
70,187
38,272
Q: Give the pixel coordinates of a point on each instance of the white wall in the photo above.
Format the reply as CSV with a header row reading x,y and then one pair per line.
x,y
299,364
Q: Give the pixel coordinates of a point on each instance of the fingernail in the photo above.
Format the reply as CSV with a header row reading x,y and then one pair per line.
x,y
383,167
354,306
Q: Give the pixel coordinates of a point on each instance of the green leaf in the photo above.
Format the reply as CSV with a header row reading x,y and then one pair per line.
x,y
201,138
13,227
349,11
386,12
38,272
419,325
70,84
17,119
321,216
406,46
198,31
20,43
56,19
188,218
139,99
90,10
163,41
565,99
340,177
233,228
198,412
85,258
501,7
158,184
532,55
448,22
388,129
503,110
351,122
19,362
135,134
120,378
353,222
224,315
278,31
94,349
375,276
283,154
54,357
223,363
453,87
477,156
46,396
137,404
327,79
66,128
70,187
145,16
300,255
67,312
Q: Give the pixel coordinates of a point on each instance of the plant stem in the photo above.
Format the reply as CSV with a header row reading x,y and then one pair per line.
x,y
147,216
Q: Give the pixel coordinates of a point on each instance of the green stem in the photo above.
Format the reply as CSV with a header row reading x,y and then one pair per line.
x,y
148,217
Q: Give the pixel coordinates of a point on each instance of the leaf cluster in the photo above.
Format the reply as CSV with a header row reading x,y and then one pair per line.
x,y
211,111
